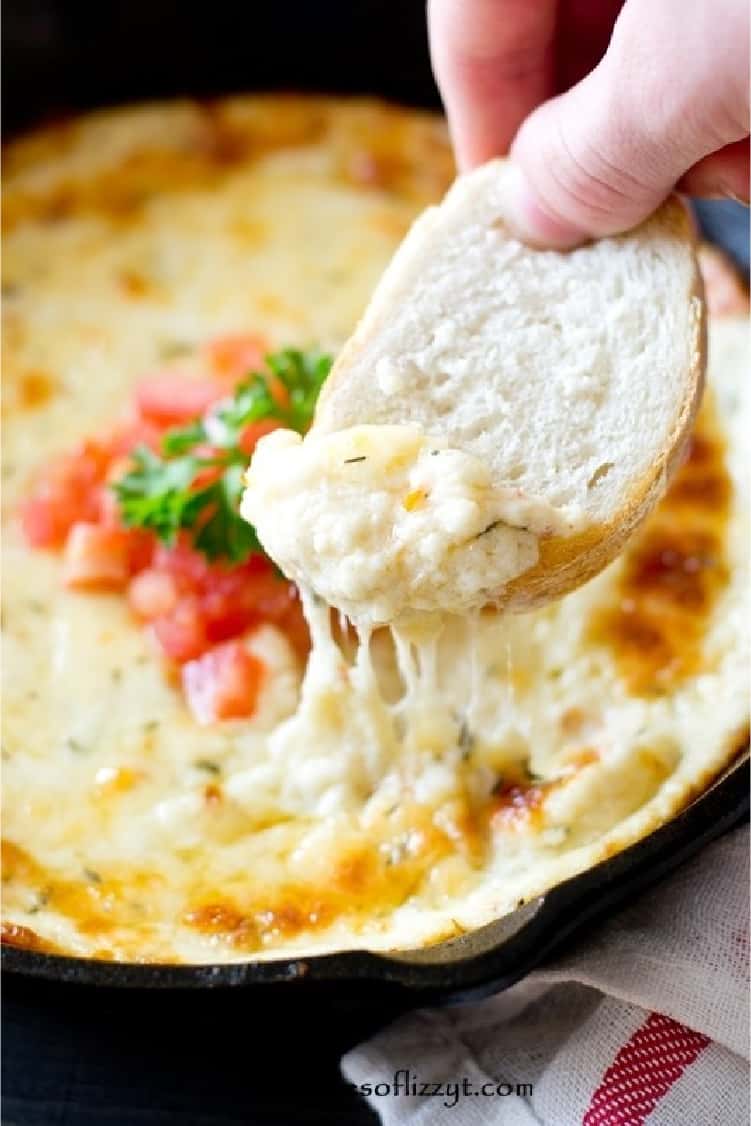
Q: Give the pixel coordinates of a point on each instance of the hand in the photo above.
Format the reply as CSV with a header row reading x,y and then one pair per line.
x,y
655,95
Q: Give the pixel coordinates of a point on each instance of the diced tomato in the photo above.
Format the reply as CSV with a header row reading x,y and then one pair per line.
x,y
215,602
134,432
254,432
236,355
223,684
96,558
168,398
108,509
141,541
109,506
188,567
274,598
225,605
89,462
44,523
141,548
68,493
279,392
258,564
225,624
152,594
234,598
198,610
182,633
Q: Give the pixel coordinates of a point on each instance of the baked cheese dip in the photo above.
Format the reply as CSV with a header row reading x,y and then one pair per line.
x,y
202,763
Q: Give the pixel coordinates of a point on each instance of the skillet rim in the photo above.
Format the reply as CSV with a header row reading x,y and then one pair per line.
x,y
555,917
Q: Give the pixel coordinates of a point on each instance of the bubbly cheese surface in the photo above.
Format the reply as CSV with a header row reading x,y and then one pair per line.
x,y
386,522
392,794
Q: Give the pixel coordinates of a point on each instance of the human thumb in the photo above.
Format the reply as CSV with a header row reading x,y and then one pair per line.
x,y
671,90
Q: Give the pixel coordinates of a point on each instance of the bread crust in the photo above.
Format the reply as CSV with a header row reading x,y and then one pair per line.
x,y
564,563
567,562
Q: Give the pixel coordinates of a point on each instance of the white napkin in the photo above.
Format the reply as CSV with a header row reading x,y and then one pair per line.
x,y
645,1022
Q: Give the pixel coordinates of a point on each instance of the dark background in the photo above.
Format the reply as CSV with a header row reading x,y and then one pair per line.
x,y
73,1056
72,53
64,55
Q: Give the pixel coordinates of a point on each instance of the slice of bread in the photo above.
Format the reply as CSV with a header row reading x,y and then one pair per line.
x,y
574,376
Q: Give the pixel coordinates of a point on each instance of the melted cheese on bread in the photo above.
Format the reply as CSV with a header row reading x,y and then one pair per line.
x,y
388,523
522,750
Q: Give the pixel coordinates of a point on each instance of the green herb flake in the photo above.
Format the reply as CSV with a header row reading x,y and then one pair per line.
x,y
176,442
76,746
466,740
171,349
208,766
92,876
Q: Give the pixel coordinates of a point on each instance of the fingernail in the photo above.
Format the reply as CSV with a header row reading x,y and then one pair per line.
x,y
531,223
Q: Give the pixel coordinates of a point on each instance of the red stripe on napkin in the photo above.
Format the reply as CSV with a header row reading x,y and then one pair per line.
x,y
644,1070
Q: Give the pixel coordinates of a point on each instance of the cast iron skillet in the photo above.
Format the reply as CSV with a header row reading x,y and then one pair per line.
x,y
60,55
477,964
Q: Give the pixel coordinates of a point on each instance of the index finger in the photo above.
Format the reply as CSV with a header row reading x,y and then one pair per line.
x,y
494,63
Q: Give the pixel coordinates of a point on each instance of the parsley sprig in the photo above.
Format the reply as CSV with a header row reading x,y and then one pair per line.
x,y
160,493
